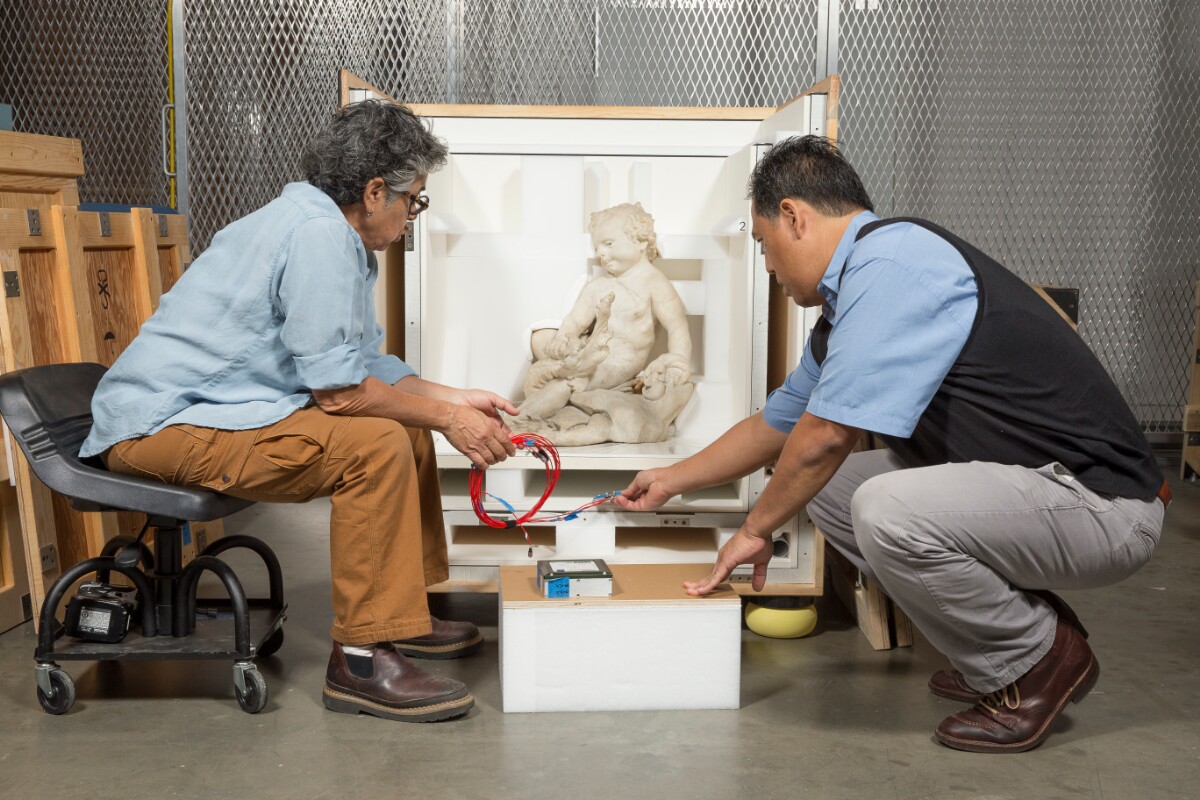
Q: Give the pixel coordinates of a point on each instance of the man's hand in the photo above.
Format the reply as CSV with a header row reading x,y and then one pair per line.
x,y
480,436
647,492
743,548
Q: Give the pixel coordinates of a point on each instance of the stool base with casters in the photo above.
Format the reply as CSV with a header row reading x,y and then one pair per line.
x,y
48,410
176,625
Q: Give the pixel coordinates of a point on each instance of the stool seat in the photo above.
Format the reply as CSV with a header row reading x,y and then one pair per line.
x,y
49,411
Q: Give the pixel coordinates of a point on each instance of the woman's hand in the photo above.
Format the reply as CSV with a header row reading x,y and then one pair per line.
x,y
489,403
481,437
476,428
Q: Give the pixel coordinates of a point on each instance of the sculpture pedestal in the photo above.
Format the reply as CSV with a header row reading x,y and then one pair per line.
x,y
649,646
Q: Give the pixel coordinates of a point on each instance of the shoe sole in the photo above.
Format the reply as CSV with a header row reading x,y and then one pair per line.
x,y
352,704
440,651
1078,692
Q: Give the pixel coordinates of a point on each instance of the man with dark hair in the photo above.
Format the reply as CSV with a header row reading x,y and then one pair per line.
x,y
261,376
1014,466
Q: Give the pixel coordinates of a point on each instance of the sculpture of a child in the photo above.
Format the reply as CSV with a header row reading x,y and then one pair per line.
x,y
604,342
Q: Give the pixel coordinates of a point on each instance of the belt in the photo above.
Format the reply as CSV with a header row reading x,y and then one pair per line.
x,y
1164,494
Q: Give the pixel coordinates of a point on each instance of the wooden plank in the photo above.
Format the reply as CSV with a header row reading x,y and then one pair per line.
x,y
15,599
1189,461
1060,299
591,112
35,154
147,257
70,297
174,252
37,191
902,627
633,585
831,87
1191,417
39,533
15,232
873,610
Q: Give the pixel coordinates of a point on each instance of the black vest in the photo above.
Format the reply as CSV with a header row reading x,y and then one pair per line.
x,y
1025,390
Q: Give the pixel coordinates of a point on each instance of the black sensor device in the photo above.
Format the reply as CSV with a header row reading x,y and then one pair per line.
x,y
100,612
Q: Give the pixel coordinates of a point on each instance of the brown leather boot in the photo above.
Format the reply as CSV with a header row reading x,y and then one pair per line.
x,y
386,684
447,640
1018,717
951,683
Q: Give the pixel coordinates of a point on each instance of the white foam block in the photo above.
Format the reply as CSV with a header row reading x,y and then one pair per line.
x,y
649,646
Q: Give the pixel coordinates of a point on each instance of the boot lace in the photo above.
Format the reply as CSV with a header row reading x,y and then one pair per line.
x,y
994,702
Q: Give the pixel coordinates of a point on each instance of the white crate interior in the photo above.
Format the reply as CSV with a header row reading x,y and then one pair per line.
x,y
504,248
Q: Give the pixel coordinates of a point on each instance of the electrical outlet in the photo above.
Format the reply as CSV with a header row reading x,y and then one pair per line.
x,y
674,520
48,557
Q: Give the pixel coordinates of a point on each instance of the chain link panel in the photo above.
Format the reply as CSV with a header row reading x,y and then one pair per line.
x,y
1063,139
94,71
262,77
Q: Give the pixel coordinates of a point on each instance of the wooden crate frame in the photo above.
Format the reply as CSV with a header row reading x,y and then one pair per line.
x,y
39,171
86,284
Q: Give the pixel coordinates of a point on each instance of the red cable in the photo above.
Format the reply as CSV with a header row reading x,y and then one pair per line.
x,y
542,449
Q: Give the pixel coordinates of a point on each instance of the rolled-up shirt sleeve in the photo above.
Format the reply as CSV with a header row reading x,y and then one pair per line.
x,y
384,366
322,297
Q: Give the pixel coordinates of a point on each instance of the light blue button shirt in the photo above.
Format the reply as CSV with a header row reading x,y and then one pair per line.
x,y
280,304
901,313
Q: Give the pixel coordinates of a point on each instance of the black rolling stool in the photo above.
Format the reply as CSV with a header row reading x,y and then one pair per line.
x,y
48,409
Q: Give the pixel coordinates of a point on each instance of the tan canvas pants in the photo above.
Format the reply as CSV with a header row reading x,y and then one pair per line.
x,y
386,542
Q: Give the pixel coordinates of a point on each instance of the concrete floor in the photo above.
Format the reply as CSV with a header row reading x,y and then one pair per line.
x,y
821,717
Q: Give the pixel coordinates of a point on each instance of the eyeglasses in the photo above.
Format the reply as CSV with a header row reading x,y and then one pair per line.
x,y
417,203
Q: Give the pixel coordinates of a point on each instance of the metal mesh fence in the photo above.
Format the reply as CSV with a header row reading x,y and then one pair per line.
x,y
1062,138
261,77
94,71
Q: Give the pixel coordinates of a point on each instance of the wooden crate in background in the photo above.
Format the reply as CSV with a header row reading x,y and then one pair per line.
x,y
78,285
1189,462
39,171
36,172
37,326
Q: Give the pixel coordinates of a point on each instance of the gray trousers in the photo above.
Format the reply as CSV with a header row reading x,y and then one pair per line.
x,y
953,545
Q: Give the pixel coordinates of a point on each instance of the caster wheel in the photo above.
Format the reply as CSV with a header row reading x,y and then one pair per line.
x,y
254,699
271,646
63,695
775,622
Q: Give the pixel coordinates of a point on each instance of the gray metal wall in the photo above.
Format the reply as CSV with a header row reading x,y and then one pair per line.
x,y
1061,137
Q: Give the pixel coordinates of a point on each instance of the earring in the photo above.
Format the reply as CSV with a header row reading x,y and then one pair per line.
x,y
369,213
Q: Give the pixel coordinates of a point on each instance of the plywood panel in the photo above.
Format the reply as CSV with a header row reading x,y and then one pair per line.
x,y
170,267
112,280
15,600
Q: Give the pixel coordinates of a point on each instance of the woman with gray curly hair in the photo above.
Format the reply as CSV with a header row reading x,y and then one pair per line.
x,y
261,376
